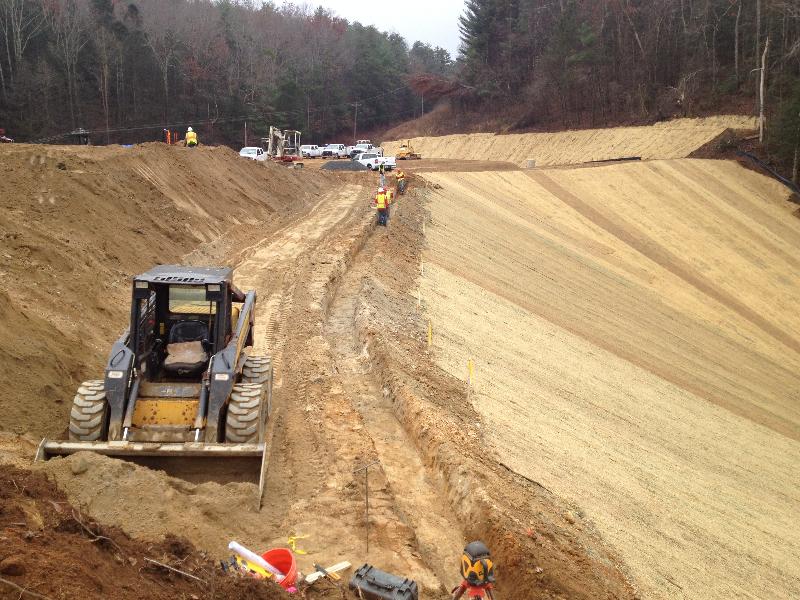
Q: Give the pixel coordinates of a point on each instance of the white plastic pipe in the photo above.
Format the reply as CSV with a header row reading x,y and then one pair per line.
x,y
255,559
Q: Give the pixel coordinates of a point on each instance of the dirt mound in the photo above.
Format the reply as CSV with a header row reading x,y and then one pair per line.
x,y
51,548
671,139
631,357
77,222
146,503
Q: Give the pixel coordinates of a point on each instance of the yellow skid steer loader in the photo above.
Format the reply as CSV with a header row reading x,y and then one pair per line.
x,y
182,380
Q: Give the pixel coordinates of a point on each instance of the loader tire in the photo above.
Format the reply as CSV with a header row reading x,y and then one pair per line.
x,y
88,419
247,414
257,369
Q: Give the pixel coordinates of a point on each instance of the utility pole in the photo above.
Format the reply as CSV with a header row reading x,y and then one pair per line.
x,y
245,134
355,123
423,105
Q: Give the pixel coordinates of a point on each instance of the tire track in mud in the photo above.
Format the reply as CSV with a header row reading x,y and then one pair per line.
x,y
418,500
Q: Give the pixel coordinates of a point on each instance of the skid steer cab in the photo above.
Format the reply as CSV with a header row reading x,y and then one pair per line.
x,y
182,380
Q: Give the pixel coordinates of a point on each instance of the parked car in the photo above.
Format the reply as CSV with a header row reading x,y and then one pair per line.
x,y
310,151
335,151
253,153
373,161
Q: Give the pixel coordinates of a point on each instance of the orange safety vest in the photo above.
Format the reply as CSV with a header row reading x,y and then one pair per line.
x,y
380,201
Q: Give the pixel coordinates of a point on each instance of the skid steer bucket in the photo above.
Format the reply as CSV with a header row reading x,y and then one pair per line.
x,y
193,461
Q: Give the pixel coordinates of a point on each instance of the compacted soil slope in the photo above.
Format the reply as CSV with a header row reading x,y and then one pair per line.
x,y
670,139
634,330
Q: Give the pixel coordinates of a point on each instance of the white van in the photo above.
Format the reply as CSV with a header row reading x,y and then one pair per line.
x,y
253,153
310,151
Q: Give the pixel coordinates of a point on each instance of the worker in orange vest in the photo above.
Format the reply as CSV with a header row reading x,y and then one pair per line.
x,y
381,203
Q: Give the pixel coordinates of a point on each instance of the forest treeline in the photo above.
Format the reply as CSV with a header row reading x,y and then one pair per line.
x,y
592,62
125,68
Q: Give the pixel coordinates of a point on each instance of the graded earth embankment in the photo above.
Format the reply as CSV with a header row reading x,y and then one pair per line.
x,y
76,223
670,139
634,332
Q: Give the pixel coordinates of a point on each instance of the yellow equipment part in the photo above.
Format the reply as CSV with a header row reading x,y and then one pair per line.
x,y
246,565
164,411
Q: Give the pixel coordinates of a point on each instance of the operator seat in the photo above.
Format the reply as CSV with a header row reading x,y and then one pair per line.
x,y
185,352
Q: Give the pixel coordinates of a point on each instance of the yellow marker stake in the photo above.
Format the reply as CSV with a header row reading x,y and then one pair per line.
x,y
430,333
292,541
470,370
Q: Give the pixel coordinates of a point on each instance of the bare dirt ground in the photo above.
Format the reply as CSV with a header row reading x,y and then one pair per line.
x,y
354,385
670,139
633,329
50,549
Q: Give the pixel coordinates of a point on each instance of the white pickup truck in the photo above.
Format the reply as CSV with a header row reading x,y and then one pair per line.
x,y
365,146
373,161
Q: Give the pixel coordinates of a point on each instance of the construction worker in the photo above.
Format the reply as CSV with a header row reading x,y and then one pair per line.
x,y
401,182
191,138
382,171
381,203
477,571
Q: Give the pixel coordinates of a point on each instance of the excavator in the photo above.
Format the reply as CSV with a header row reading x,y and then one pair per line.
x,y
182,381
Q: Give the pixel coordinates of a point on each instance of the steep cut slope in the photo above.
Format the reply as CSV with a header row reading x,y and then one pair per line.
x,y
634,332
76,223
671,139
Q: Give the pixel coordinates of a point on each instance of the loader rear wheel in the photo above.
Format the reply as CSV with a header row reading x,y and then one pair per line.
x,y
88,419
247,414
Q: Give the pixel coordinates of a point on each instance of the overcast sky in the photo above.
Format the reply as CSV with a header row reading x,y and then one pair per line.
x,y
431,21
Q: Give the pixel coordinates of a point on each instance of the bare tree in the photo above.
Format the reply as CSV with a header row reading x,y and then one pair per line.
x,y
69,21
20,21
736,42
163,26
762,93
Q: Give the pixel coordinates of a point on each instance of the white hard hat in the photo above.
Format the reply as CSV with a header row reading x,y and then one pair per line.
x,y
190,129
380,189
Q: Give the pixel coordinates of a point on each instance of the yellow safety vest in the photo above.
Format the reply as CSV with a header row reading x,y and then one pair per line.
x,y
191,136
380,201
